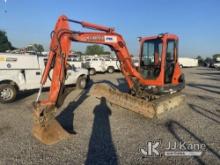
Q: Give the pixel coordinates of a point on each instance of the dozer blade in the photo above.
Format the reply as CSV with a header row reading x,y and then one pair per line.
x,y
46,128
147,109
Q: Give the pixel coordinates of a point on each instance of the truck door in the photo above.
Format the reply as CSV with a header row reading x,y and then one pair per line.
x,y
33,77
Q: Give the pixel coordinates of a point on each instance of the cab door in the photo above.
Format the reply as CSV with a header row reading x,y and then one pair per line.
x,y
150,61
170,60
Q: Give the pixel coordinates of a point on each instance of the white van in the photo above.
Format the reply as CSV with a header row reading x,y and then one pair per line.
x,y
94,65
24,72
188,62
101,65
74,62
112,65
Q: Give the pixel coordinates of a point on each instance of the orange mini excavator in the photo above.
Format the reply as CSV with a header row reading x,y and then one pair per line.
x,y
154,85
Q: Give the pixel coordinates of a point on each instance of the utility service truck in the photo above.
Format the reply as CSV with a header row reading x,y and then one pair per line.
x,y
23,72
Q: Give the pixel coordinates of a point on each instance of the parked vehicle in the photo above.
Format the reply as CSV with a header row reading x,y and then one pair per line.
x,y
188,62
136,62
112,65
217,65
96,64
23,72
75,63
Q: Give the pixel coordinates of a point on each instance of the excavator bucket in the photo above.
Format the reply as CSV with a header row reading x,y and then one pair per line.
x,y
147,109
45,127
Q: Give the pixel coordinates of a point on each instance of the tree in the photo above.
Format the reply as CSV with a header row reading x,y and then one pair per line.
x,y
215,56
4,43
200,60
78,53
38,47
94,49
107,52
208,62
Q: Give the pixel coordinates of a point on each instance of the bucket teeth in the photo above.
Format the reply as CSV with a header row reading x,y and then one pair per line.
x,y
147,109
45,127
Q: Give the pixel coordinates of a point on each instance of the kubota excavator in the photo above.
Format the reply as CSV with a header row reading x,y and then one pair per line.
x,y
153,86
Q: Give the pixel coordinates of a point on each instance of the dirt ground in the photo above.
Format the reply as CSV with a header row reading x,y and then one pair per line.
x,y
105,134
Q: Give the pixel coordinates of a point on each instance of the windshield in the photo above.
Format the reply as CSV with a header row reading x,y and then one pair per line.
x,y
151,52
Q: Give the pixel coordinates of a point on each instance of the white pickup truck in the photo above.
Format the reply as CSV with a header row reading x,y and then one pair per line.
x,y
101,65
112,65
217,65
23,72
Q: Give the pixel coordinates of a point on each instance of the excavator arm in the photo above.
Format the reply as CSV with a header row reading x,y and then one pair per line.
x,y
61,37
60,49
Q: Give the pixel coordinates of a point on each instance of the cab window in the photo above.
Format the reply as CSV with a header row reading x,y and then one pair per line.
x,y
170,54
151,52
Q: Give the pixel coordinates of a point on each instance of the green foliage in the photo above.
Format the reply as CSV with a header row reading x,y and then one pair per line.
x,y
107,52
94,49
38,47
79,53
200,60
208,59
216,56
4,43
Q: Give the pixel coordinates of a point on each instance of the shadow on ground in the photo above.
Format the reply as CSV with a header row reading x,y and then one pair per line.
x,y
209,73
208,88
174,126
101,148
122,84
66,117
206,113
25,94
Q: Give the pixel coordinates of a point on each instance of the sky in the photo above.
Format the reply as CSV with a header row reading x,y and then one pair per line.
x,y
196,22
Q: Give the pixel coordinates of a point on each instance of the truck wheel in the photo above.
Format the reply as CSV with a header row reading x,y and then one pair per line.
x,y
181,66
81,82
7,93
111,69
92,71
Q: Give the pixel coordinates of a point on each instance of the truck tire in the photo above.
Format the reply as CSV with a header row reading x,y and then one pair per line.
x,y
111,69
81,82
92,71
7,93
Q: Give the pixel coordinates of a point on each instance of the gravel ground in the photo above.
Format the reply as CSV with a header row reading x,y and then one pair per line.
x,y
105,134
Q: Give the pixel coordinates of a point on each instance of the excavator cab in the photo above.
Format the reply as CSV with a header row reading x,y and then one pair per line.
x,y
159,60
150,59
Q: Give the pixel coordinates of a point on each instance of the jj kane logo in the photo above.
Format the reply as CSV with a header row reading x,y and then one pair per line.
x,y
173,149
151,149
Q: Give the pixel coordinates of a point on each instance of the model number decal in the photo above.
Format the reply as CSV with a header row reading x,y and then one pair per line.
x,y
95,39
111,39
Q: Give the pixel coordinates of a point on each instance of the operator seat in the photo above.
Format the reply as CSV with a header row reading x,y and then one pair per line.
x,y
169,69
